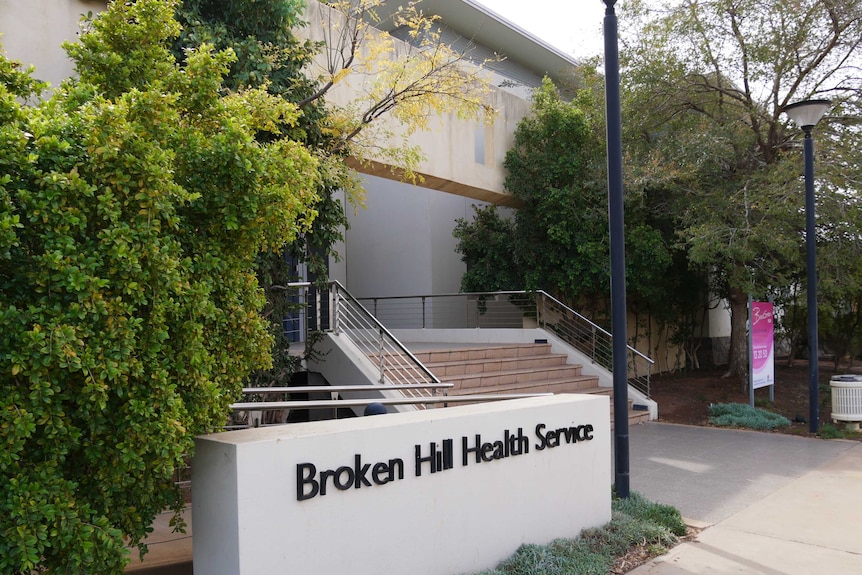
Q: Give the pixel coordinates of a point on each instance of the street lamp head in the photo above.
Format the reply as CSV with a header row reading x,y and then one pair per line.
x,y
806,114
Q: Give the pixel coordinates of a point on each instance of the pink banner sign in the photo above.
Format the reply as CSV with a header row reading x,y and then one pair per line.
x,y
762,348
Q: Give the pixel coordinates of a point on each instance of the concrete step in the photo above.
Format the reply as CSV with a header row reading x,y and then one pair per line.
x,y
490,380
514,368
444,369
636,417
579,384
483,352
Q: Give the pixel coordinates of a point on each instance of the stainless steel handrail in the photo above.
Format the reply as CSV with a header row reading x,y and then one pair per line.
x,y
303,404
340,388
349,319
593,324
386,332
550,313
349,316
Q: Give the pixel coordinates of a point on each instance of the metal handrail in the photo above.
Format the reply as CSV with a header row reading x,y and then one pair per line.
x,y
594,325
593,340
481,309
396,364
306,404
341,388
255,410
486,310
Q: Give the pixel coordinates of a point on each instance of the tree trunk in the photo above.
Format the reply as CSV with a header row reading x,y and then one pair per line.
x,y
737,361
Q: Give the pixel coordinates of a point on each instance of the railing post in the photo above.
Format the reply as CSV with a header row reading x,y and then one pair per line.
x,y
302,299
380,348
541,315
336,310
423,311
648,373
318,309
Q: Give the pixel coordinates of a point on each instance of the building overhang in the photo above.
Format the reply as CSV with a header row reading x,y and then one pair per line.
x,y
432,182
484,26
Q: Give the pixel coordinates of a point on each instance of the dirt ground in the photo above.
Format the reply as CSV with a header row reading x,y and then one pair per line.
x,y
685,398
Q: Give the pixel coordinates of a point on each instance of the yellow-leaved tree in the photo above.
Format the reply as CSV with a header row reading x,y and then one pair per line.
x,y
388,72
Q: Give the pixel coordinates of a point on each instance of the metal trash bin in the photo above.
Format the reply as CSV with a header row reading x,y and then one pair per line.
x,y
846,398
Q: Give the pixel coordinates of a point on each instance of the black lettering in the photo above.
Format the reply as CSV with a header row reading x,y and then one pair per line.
x,y
487,448
394,464
305,473
553,438
468,450
387,471
499,450
343,485
324,475
432,459
359,472
448,462
542,441
381,469
310,484
516,444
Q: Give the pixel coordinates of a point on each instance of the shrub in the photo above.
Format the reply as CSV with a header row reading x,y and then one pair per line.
x,y
635,521
132,205
743,415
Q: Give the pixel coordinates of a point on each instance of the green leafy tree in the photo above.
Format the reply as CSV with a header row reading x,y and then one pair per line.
x,y
706,85
555,172
409,86
269,56
485,244
559,238
132,205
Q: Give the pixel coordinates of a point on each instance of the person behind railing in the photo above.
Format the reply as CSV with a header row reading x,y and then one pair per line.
x,y
374,409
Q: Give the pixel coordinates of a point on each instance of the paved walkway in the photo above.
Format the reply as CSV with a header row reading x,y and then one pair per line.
x,y
772,504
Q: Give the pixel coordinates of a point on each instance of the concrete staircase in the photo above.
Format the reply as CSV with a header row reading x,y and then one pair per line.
x,y
513,368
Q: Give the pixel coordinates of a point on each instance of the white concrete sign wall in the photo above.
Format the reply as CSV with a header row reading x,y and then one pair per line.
x,y
442,491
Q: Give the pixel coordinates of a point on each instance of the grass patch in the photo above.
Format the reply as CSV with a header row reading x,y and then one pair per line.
x,y
635,523
828,431
761,402
743,415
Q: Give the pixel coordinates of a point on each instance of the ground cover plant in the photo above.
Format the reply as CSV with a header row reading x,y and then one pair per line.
x,y
638,527
743,415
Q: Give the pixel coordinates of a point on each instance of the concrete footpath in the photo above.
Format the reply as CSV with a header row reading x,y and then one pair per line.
x,y
769,503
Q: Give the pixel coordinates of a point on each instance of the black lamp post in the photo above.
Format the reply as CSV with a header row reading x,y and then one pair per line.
x,y
806,115
616,225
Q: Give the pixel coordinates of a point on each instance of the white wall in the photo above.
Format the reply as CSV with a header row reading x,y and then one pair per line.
x,y
719,318
254,511
402,242
449,143
34,29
